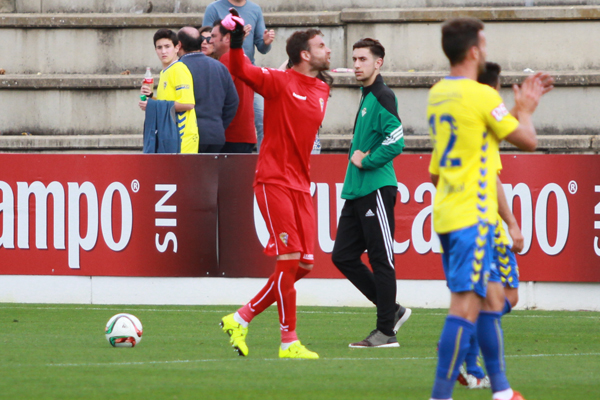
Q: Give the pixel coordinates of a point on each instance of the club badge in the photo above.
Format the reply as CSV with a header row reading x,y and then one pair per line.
x,y
284,238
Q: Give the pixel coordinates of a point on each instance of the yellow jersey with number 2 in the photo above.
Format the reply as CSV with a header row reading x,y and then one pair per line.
x,y
467,121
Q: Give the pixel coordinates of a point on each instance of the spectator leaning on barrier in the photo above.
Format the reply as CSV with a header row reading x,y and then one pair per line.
x,y
176,85
240,136
216,97
205,41
257,35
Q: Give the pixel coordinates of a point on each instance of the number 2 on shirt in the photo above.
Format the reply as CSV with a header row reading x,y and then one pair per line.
x,y
445,161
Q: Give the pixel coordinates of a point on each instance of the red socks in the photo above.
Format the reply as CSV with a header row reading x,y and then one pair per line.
x,y
280,289
260,302
285,293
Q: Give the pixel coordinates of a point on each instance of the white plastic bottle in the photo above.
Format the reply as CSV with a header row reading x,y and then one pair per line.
x,y
148,78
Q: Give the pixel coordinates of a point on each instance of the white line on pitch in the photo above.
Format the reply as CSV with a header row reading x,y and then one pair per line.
x,y
367,309
277,359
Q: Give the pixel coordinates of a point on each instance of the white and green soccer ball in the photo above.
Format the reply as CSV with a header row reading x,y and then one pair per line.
x,y
123,330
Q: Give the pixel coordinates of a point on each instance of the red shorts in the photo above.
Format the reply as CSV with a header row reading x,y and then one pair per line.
x,y
290,219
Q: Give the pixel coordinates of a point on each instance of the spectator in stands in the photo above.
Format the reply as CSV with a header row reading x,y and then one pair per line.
x,y
240,137
207,46
216,97
257,35
176,85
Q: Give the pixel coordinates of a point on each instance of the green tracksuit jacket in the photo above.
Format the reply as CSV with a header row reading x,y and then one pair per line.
x,y
377,129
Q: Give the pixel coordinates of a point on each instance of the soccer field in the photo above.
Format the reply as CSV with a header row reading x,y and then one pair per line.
x,y
59,352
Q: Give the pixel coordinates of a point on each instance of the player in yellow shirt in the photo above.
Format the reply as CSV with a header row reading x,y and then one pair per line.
x,y
467,120
175,84
473,375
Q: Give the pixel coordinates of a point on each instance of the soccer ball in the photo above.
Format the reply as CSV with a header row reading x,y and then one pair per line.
x,y
123,330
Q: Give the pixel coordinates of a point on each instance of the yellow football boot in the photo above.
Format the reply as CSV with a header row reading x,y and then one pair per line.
x,y
297,350
237,334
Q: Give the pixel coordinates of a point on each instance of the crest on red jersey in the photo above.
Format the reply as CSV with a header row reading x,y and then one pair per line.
x,y
284,238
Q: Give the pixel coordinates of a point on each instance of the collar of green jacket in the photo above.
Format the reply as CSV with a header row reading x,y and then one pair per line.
x,y
368,89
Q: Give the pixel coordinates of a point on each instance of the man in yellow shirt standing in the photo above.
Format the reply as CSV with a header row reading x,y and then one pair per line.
x,y
176,85
467,121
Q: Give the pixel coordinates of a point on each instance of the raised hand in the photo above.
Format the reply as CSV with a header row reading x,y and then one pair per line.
x,y
527,97
247,30
235,24
268,36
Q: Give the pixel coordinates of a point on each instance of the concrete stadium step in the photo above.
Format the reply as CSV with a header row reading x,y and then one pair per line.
x,y
331,143
112,43
549,38
80,102
552,38
556,144
90,106
187,6
72,143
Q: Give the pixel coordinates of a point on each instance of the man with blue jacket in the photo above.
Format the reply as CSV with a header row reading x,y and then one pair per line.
x,y
257,36
216,97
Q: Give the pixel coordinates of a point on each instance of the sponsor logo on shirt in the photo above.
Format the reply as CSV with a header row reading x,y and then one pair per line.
x,y
364,111
308,256
182,87
499,112
298,96
284,238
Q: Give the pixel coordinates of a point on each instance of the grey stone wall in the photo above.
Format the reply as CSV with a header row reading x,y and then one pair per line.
x,y
7,6
194,6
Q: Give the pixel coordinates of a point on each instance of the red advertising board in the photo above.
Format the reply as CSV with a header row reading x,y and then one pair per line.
x,y
118,215
194,215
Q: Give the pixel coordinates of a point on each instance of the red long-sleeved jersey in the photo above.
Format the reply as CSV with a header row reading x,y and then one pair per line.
x,y
294,109
241,129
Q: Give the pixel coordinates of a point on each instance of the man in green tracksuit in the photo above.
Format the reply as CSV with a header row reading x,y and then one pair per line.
x,y
370,187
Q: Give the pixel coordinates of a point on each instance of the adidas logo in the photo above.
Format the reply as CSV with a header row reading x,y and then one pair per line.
x,y
369,213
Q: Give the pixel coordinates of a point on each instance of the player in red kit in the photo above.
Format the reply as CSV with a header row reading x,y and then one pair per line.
x,y
295,102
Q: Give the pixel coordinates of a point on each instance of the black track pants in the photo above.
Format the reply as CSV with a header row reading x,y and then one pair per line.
x,y
367,223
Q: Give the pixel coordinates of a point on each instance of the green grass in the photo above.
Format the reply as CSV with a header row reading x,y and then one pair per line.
x,y
59,352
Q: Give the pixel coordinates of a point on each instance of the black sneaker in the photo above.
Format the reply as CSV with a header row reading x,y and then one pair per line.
x,y
402,315
377,339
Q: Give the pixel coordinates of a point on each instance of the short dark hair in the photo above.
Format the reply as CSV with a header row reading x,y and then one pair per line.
x,y
298,42
491,75
224,31
164,33
373,45
458,36
188,42
205,29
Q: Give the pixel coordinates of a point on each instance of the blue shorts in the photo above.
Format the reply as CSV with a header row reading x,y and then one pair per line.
x,y
468,259
506,266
